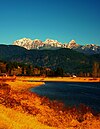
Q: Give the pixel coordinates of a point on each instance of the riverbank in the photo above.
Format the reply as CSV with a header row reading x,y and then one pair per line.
x,y
15,104
21,109
22,85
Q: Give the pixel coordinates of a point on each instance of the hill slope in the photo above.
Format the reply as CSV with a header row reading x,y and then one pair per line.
x,y
70,60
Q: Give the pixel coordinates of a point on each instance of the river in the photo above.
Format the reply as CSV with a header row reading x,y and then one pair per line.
x,y
72,93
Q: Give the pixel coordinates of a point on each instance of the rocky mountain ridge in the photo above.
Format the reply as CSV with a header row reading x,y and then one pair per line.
x,y
54,44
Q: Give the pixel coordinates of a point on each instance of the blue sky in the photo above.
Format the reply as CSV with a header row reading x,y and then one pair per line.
x,y
61,20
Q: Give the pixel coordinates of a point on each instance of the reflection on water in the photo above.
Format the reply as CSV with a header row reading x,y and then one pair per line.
x,y
72,93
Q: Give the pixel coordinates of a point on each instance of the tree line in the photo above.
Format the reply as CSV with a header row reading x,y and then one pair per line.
x,y
25,69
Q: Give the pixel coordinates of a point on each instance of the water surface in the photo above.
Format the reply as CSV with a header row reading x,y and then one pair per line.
x,y
72,93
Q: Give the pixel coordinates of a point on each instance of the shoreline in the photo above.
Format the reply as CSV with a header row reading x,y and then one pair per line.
x,y
20,85
59,79
34,110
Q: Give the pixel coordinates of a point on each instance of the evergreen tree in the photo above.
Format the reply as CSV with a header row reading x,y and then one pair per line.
x,y
96,69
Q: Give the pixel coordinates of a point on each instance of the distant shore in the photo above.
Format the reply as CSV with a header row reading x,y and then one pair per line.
x,y
59,79
24,83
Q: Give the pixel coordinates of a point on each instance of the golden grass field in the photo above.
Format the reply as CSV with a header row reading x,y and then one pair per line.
x,y
20,109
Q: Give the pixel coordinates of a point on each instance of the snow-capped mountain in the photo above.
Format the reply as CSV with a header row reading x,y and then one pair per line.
x,y
28,43
50,43
36,43
72,44
24,42
89,49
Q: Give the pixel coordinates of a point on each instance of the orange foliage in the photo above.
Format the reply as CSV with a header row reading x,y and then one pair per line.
x,y
51,113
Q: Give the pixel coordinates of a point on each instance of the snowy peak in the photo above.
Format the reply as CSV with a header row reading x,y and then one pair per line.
x,y
28,43
91,48
52,43
72,44
24,42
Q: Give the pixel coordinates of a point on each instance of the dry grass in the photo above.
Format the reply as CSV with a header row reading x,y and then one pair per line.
x,y
12,119
22,85
20,109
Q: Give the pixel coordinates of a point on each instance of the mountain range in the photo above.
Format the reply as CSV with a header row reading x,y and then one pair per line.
x,y
50,44
72,57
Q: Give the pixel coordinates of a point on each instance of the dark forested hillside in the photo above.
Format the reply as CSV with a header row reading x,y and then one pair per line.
x,y
69,60
8,52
